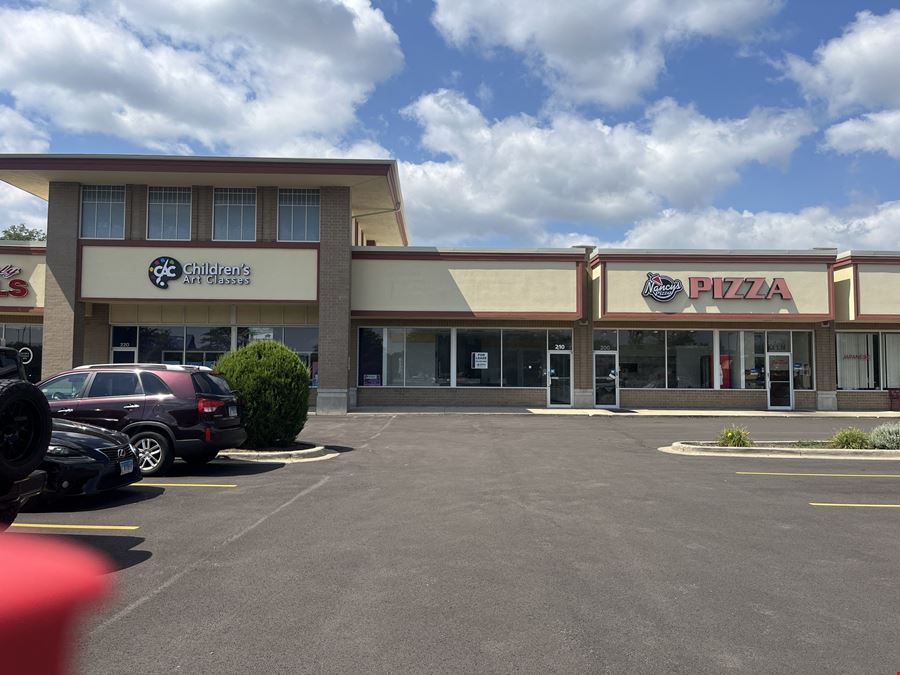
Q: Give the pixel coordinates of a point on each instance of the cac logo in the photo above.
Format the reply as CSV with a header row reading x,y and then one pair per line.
x,y
163,270
661,288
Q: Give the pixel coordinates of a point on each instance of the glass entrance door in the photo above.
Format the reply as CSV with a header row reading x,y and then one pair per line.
x,y
778,377
606,379
559,374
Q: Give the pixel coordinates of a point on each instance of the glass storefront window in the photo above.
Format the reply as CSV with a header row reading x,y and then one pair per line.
x,y
371,363
393,375
477,358
729,370
606,340
161,344
802,356
28,339
690,355
642,359
524,358
778,340
427,357
124,336
303,340
891,360
754,360
559,339
858,362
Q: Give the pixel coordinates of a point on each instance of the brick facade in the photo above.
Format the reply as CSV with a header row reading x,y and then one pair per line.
x,y
136,212
334,299
201,212
267,213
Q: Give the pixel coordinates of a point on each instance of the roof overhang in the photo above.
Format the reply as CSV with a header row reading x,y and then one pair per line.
x,y
376,199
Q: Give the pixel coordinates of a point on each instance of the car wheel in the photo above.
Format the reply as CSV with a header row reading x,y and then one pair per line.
x,y
200,458
25,426
154,452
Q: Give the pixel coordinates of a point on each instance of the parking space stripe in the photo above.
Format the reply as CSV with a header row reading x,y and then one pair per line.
x,y
54,526
197,485
820,475
862,506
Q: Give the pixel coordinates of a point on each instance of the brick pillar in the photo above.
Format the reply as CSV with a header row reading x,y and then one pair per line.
x,y
334,300
136,215
201,212
583,339
63,315
267,213
826,367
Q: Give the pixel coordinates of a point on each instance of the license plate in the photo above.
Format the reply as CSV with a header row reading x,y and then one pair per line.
x,y
127,466
232,411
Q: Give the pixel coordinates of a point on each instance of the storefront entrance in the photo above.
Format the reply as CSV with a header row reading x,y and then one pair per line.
x,y
559,375
779,381
606,379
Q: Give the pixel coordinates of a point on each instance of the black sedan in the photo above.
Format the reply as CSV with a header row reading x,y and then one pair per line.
x,y
83,459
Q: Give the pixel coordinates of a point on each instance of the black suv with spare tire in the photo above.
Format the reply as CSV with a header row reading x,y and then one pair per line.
x,y
168,411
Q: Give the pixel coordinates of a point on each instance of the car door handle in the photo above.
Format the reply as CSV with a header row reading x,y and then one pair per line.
x,y
65,410
131,406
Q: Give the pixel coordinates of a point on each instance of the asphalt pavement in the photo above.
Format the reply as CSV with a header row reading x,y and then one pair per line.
x,y
503,544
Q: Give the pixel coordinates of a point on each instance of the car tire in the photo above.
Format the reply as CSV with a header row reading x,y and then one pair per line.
x,y
154,452
200,458
25,426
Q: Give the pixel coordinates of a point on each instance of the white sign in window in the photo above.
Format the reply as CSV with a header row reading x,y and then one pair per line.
x,y
479,360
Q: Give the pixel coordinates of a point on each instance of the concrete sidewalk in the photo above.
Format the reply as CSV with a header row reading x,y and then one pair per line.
x,y
622,412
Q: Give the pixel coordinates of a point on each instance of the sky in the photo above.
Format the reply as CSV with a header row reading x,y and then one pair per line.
x,y
515,123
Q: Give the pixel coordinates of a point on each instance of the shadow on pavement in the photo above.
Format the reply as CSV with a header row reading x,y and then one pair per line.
x,y
104,500
118,549
219,468
339,448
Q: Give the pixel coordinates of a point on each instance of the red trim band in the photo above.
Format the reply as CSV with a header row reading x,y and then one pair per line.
x,y
713,257
23,250
22,310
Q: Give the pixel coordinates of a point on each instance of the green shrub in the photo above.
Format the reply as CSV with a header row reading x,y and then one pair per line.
x,y
735,437
273,385
850,438
886,436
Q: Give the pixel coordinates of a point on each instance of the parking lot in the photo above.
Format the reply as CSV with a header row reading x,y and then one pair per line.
x,y
501,543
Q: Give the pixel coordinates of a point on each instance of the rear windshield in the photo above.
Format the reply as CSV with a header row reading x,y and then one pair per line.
x,y
205,383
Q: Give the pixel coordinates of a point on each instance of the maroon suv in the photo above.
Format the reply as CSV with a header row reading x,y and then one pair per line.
x,y
168,411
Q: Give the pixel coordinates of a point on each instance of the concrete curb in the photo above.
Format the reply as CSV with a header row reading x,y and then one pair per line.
x,y
775,452
286,457
599,412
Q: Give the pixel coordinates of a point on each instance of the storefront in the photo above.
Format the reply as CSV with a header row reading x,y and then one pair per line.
x,y
181,259
711,329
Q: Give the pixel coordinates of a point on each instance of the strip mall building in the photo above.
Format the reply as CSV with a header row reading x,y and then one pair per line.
x,y
178,260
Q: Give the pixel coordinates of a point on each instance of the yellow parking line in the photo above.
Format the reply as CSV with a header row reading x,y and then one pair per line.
x,y
48,526
820,475
204,485
863,506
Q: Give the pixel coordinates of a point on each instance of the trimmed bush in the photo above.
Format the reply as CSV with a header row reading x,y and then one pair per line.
x,y
850,438
735,437
886,436
273,385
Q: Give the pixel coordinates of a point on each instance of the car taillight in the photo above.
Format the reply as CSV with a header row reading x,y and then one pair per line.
x,y
208,405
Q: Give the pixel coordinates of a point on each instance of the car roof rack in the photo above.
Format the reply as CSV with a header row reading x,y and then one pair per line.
x,y
146,366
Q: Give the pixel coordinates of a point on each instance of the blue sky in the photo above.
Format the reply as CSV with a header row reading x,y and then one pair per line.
x,y
681,123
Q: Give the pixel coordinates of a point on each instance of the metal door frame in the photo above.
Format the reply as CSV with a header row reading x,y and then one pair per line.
x,y
605,352
567,352
787,355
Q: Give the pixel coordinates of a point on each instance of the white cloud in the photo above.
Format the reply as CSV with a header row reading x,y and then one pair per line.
x,y
17,134
225,75
872,132
860,227
604,51
858,70
505,178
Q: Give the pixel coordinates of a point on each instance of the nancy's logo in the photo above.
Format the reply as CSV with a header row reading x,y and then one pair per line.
x,y
163,270
661,288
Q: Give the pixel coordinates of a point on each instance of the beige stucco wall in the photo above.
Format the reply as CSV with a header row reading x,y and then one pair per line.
x,y
844,300
34,270
808,283
213,314
878,290
121,272
464,286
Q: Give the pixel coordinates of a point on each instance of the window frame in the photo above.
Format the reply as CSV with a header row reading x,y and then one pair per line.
x,y
278,236
882,374
81,211
255,214
190,213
